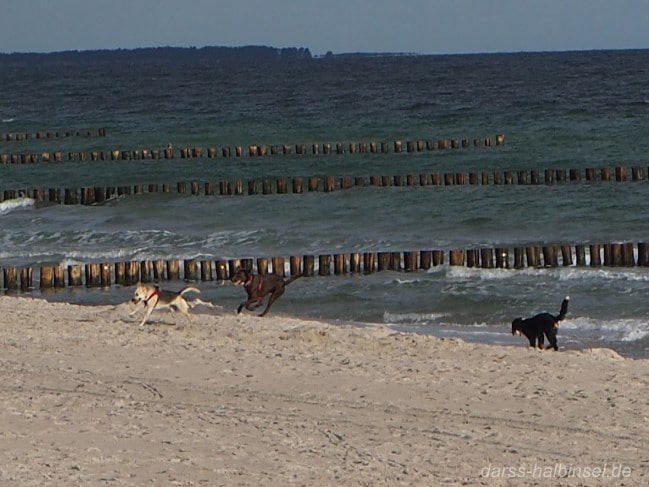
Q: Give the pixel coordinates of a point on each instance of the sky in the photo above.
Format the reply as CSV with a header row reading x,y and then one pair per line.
x,y
340,26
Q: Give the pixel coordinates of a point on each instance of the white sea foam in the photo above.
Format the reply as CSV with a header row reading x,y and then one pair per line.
x,y
412,318
15,204
624,329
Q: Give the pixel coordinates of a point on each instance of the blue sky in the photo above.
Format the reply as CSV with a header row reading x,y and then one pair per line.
x,y
419,26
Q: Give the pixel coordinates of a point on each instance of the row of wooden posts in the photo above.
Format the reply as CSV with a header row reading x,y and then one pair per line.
x,y
253,150
19,136
93,194
130,272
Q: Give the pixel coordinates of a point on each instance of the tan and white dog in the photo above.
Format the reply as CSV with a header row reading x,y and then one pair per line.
x,y
154,297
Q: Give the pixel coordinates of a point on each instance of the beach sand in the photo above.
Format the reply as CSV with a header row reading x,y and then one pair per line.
x,y
90,398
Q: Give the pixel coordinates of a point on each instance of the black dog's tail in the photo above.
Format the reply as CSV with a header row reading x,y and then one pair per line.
x,y
564,309
292,278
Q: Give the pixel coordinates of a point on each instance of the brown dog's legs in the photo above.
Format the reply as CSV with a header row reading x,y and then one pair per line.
x,y
273,297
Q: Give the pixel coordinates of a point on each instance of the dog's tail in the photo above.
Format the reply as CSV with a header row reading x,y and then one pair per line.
x,y
292,278
188,289
564,309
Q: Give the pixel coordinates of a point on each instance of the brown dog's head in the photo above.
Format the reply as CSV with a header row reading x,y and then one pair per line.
x,y
240,276
516,326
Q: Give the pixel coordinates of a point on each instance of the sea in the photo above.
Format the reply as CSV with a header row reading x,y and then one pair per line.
x,y
557,110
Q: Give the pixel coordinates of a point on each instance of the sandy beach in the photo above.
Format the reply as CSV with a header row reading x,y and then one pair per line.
x,y
90,398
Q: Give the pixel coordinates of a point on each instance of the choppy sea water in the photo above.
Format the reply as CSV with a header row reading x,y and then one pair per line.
x,y
557,110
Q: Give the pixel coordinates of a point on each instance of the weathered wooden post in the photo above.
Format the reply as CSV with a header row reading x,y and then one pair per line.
x,y
534,177
383,259
502,258
10,275
159,270
26,279
262,265
410,263
533,256
233,265
329,184
279,266
308,266
425,259
487,258
519,257
190,270
298,185
74,275
580,254
628,259
206,270
225,189
456,257
549,176
282,186
355,263
295,265
340,264
314,183
643,254
59,276
566,255
550,256
369,262
104,275
595,255
173,270
133,272
473,258
324,265
93,275
47,277
222,270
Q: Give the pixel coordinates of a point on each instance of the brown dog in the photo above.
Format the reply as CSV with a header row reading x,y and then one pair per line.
x,y
258,286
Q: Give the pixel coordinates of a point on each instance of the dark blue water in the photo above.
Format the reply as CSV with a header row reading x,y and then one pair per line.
x,y
557,110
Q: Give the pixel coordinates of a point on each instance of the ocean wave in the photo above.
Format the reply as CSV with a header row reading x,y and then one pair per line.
x,y
412,318
639,274
15,204
624,330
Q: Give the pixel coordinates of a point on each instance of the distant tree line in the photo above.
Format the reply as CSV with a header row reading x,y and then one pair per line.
x,y
165,54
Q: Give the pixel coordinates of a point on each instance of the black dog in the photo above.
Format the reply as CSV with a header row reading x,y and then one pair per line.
x,y
258,286
542,324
